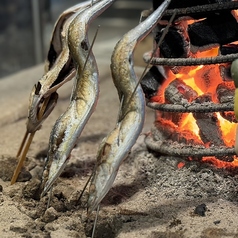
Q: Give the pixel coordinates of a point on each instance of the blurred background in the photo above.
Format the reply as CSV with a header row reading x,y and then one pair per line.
x,y
26,26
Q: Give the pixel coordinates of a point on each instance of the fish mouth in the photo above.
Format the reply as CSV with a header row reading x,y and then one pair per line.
x,y
56,168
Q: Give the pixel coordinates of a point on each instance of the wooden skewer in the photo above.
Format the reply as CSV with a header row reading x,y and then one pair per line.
x,y
27,142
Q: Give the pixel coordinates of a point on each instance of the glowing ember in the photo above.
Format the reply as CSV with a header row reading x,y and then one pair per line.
x,y
180,165
203,80
228,130
189,123
221,164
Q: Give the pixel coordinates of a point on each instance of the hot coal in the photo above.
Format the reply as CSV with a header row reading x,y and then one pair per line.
x,y
217,29
225,92
152,81
168,48
189,39
177,92
228,49
225,72
168,131
209,128
229,116
206,78
187,4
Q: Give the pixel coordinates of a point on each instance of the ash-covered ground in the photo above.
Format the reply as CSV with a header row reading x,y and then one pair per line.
x,y
151,197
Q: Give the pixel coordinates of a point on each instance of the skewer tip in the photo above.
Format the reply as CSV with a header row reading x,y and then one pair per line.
x,y
21,154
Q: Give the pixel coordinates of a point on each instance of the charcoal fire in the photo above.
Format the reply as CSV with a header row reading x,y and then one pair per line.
x,y
190,85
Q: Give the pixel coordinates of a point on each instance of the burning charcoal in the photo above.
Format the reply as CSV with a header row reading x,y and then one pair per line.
x,y
229,116
200,210
185,4
228,49
209,128
178,92
225,72
168,47
217,29
176,118
151,81
207,78
168,131
225,92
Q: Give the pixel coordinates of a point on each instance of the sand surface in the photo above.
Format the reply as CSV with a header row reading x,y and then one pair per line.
x,y
151,197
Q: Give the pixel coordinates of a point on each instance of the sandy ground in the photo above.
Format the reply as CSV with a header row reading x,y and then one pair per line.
x,y
151,197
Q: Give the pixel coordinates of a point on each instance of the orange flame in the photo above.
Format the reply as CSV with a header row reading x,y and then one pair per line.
x,y
203,79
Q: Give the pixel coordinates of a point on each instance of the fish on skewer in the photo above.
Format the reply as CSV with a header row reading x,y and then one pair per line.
x,y
70,124
116,146
59,69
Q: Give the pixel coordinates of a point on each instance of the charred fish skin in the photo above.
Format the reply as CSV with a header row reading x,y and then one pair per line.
x,y
58,60
119,142
43,97
56,43
70,124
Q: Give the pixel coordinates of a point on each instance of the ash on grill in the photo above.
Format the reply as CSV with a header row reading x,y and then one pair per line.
x,y
198,29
